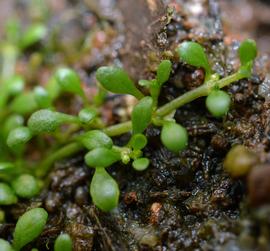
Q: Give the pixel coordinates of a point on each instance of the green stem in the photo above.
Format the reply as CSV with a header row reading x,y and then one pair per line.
x,y
125,127
201,91
118,129
62,153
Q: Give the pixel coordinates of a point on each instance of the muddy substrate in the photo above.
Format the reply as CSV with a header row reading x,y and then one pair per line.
x,y
185,201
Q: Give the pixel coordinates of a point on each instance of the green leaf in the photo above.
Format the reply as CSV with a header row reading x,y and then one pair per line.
x,y
6,167
116,80
104,190
102,157
193,54
24,103
164,71
218,103
140,164
138,141
53,88
29,227
7,195
142,114
18,137
63,243
69,81
87,115
42,97
15,85
96,139
25,186
5,246
34,33
11,123
174,136
46,121
247,51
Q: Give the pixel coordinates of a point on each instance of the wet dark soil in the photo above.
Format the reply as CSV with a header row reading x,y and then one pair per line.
x,y
182,202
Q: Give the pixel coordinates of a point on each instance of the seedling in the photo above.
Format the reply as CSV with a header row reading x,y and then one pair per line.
x,y
86,130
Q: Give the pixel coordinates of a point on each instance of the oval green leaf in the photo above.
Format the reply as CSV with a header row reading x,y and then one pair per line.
x,y
63,243
42,97
247,51
24,103
102,157
164,71
69,81
193,54
87,115
142,114
33,34
174,136
7,195
46,121
104,190
138,141
140,164
96,139
116,80
26,186
18,137
218,103
29,226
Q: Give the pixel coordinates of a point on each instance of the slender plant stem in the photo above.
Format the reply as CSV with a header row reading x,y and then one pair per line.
x,y
118,129
125,127
62,153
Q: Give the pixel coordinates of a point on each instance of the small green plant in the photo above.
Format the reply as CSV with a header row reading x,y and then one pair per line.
x,y
30,115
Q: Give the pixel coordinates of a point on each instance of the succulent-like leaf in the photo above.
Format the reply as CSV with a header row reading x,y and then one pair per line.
x,y
247,51
18,137
140,164
46,121
174,136
29,226
42,97
116,80
102,157
25,186
24,103
32,35
96,139
87,115
104,190
7,195
164,71
69,81
193,54
142,114
138,141
63,243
